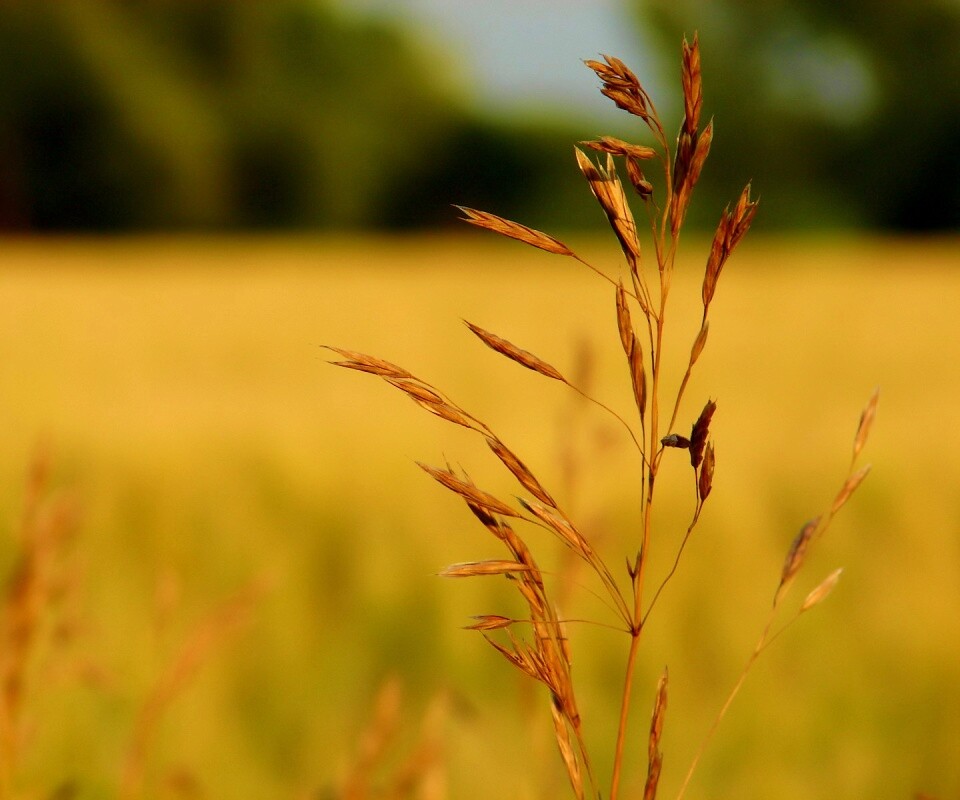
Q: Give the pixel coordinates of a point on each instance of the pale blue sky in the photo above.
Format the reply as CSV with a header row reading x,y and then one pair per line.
x,y
513,54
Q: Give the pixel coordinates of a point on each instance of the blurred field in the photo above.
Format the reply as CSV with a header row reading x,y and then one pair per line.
x,y
180,388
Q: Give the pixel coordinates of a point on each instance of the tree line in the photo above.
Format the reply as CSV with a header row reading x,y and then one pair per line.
x,y
123,115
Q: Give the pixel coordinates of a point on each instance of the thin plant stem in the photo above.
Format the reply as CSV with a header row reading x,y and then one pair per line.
x,y
762,642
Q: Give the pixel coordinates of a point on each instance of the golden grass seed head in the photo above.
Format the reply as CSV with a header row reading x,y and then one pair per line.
x,y
866,422
514,230
520,471
692,84
514,353
819,594
698,434
797,551
705,479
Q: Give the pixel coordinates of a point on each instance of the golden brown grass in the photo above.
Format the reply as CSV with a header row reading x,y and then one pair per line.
x,y
33,605
538,646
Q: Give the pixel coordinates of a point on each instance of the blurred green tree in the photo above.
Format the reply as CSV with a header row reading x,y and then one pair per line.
x,y
210,113
842,112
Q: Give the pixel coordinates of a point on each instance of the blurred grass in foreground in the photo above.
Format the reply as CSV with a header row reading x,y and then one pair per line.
x,y
180,387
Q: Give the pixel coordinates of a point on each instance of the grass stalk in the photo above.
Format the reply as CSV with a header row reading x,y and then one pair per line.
x,y
538,646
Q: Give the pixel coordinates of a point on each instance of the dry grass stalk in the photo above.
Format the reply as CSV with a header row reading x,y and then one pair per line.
x,y
210,635
538,646
48,526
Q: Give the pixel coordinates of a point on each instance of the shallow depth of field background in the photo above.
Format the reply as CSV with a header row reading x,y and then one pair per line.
x,y
177,385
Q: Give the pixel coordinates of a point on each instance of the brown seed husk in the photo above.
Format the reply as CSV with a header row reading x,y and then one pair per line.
x,y
692,151
624,322
849,487
365,363
470,569
519,659
561,526
698,435
514,230
705,481
514,353
608,191
692,85
641,185
446,411
639,379
796,554
654,755
700,342
566,751
520,471
866,421
633,351
489,622
618,147
621,86
468,491
732,228
820,592
416,390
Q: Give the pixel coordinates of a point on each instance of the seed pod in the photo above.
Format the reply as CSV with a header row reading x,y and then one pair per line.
x,y
820,592
514,230
705,481
514,353
698,434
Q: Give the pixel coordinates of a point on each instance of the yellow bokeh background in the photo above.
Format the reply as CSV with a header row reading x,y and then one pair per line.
x,y
182,392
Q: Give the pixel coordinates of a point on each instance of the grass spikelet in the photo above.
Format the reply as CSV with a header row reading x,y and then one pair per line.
x,y
732,228
866,422
568,534
371,364
470,569
514,230
691,80
566,751
633,352
699,432
520,471
468,491
820,593
514,353
654,755
796,554
705,480
699,343
618,147
692,151
489,622
849,487
622,86
608,191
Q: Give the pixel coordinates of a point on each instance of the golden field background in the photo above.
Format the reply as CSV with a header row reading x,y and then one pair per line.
x,y
181,391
